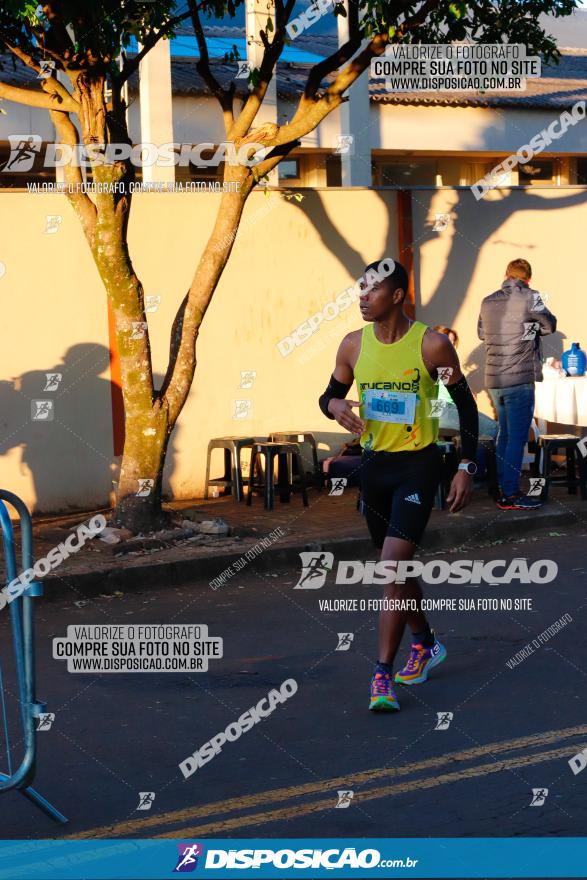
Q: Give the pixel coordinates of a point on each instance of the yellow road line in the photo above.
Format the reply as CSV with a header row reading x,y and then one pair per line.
x,y
355,779
295,812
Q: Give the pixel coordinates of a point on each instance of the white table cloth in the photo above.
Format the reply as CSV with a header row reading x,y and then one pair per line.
x,y
562,400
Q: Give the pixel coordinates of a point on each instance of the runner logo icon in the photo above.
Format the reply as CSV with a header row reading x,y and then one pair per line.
x,y
187,860
315,567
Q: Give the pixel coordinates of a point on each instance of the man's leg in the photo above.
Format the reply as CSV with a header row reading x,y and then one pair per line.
x,y
413,478
519,407
393,623
502,433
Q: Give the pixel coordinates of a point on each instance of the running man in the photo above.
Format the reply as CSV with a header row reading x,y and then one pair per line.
x,y
394,361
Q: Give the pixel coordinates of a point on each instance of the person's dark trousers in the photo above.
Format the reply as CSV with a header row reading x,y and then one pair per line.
x,y
515,409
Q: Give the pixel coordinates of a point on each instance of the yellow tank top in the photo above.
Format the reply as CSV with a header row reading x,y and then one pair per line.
x,y
395,390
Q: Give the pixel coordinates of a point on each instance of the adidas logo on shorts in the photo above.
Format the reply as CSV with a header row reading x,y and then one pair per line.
x,y
415,498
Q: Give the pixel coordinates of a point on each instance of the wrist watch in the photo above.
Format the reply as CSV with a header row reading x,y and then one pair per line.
x,y
469,466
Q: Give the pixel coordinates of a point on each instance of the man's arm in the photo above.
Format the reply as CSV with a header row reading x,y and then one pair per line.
x,y
332,402
542,315
438,352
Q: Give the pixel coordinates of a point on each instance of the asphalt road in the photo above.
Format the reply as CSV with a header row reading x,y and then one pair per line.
x,y
512,729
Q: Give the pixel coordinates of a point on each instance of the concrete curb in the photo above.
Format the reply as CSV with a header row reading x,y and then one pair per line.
x,y
439,536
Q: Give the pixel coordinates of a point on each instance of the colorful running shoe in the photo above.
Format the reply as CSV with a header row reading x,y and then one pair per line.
x,y
383,698
420,661
518,502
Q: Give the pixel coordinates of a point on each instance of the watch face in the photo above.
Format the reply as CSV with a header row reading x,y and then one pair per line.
x,y
470,467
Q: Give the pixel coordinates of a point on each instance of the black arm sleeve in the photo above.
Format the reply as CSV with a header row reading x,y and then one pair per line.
x,y
468,416
334,389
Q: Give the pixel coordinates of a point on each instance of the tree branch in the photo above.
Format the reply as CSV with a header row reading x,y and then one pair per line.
x,y
271,54
50,85
34,98
79,200
225,96
132,64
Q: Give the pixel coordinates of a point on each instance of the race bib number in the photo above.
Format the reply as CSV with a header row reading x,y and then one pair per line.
x,y
390,406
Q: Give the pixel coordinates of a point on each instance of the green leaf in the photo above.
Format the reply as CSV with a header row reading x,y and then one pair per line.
x,y
391,32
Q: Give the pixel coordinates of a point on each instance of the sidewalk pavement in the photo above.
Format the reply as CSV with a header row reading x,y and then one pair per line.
x,y
271,539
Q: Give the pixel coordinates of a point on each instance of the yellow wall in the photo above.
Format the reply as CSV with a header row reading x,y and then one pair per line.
x,y
288,261
455,269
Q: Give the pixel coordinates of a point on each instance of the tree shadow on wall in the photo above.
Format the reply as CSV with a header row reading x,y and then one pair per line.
x,y
59,418
473,225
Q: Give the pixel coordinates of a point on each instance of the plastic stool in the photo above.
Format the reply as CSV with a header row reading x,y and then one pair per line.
x,y
233,476
300,437
449,468
548,444
266,483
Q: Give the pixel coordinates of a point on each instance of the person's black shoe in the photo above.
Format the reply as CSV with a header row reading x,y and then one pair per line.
x,y
518,502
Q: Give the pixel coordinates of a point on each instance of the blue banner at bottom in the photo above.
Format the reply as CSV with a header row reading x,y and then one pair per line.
x,y
276,858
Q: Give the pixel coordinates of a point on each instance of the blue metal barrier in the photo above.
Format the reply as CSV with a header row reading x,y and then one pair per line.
x,y
23,640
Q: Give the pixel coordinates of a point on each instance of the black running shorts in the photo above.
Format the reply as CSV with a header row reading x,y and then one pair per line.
x,y
397,491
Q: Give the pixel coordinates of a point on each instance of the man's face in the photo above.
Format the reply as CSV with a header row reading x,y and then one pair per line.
x,y
378,300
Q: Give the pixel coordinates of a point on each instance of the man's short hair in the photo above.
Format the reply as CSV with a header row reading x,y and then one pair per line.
x,y
519,269
398,278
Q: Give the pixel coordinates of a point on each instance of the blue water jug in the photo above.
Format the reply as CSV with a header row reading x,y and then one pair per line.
x,y
574,361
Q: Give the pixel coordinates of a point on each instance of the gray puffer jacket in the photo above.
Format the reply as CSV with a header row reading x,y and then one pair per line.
x,y
511,322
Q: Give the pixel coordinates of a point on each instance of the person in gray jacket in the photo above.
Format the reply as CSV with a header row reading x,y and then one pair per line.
x,y
511,323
